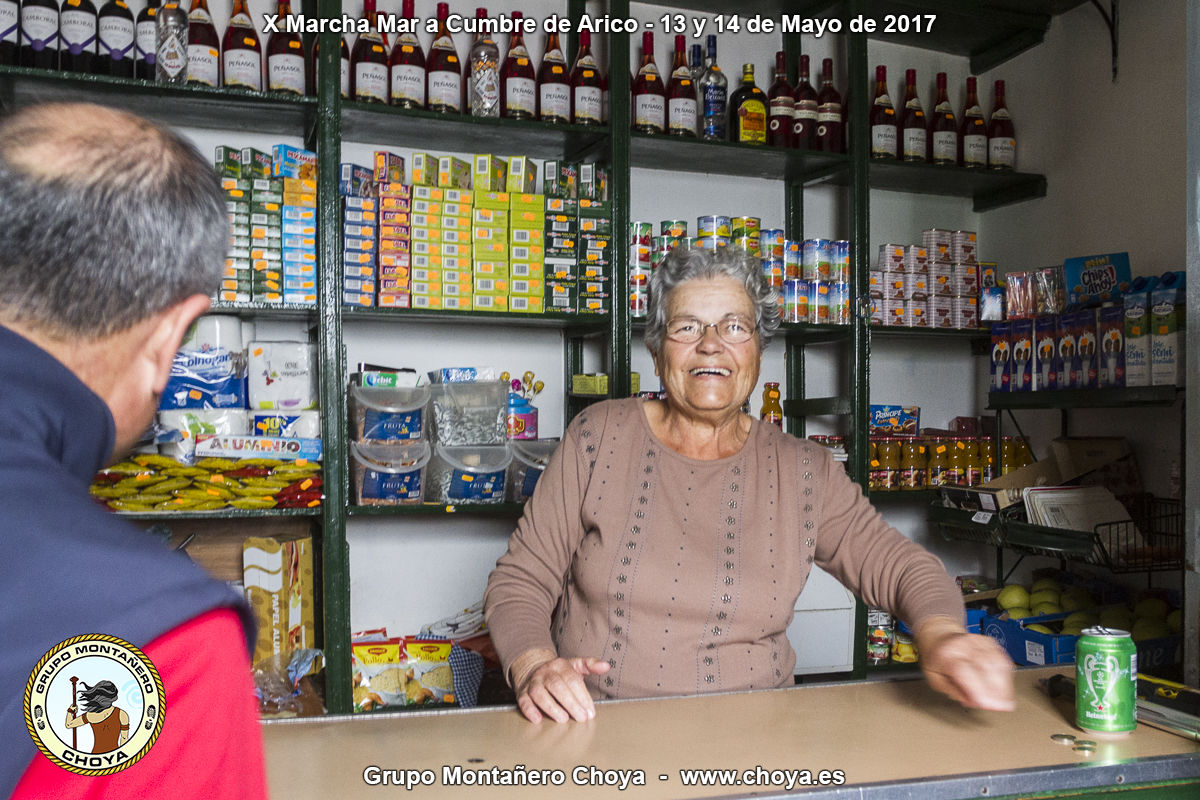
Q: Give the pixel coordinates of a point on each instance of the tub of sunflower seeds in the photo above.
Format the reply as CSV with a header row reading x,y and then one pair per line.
x,y
470,413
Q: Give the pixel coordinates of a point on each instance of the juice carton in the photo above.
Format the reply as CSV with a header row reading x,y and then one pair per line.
x,y
1110,328
1045,354
1089,358
1167,367
1137,339
1001,350
1068,352
1021,355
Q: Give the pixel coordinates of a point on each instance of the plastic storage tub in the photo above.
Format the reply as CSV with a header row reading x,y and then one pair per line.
x,y
528,462
389,474
468,473
470,413
388,414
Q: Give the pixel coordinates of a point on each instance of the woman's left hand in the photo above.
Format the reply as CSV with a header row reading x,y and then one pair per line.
x,y
970,668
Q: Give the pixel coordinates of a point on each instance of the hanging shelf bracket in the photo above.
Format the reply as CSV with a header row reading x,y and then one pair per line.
x,y
1110,19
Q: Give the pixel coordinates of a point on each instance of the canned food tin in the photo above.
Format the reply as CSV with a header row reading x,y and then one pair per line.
x,y
916,283
839,261
875,301
966,279
891,258
662,244
916,312
792,259
795,300
895,313
771,243
880,633
942,311
818,301
639,278
966,312
744,226
687,241
640,233
839,303
673,227
748,243
964,246
712,242
639,255
772,270
1105,681
639,302
937,241
814,259
904,649
894,286
713,226
916,259
941,279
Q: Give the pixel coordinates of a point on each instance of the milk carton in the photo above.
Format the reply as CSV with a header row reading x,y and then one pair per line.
x,y
1045,354
1089,357
1021,355
1137,339
1110,330
1001,350
1167,367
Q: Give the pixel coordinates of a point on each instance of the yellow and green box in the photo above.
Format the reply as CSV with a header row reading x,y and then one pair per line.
x,y
455,223
490,302
527,286
526,252
423,234
490,173
424,170
457,289
491,268
528,236
489,251
485,233
453,173
494,200
428,193
431,302
527,201
527,269
490,216
482,284
526,218
526,304
522,174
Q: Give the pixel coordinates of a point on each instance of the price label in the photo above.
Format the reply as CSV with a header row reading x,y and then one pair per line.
x,y
982,517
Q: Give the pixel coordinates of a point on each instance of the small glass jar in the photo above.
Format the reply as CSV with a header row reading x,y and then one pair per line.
x,y
888,453
939,462
913,464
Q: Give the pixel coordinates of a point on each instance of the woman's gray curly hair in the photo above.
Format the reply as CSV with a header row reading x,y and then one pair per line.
x,y
684,264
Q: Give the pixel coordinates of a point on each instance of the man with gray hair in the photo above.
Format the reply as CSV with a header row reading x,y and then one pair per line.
x,y
113,231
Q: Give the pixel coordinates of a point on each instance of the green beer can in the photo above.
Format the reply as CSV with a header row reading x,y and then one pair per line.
x,y
1105,681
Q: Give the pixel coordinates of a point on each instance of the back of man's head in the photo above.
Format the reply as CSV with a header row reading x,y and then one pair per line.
x,y
105,220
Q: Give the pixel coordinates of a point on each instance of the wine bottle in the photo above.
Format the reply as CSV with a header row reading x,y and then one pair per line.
x,y
115,35
649,94
696,65
39,34
748,111
407,65
587,97
484,63
10,25
781,104
829,113
171,47
287,67
554,85
345,66
943,128
241,51
146,41
1002,141
204,47
972,135
518,82
713,96
681,95
77,36
882,119
369,61
804,117
443,84
912,123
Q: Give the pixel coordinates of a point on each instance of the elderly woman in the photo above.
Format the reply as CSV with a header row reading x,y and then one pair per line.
x,y
667,541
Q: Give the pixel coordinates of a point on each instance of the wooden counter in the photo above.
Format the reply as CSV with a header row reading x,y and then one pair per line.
x,y
888,738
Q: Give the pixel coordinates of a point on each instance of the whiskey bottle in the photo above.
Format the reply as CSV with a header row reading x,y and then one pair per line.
x,y
146,41
1002,141
829,113
241,51
554,84
913,124
287,67
748,111
804,117
39,34
115,36
681,95
972,135
407,66
649,95
443,85
943,128
369,60
77,36
882,119
171,48
483,88
518,81
713,91
587,96
782,105
204,47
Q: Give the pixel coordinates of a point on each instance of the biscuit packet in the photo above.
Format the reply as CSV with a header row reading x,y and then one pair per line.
x,y
380,672
431,679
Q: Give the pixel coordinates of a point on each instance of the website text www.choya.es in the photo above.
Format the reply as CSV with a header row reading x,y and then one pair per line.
x,y
591,775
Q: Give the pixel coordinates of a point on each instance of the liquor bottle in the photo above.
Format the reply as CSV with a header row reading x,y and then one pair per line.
x,y
171,48
76,36
587,98
407,65
1002,141
681,95
804,116
748,111
972,135
882,119
146,40
443,80
369,61
713,94
912,123
828,135
696,65
39,34
518,82
554,84
781,104
287,68
484,63
943,128
241,51
204,47
604,98
10,25
649,95
115,36
771,410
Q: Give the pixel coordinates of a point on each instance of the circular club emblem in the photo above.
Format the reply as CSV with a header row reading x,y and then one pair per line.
x,y
94,704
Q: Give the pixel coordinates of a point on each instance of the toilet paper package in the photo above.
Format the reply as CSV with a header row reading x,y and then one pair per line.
x,y
287,424
281,375
205,379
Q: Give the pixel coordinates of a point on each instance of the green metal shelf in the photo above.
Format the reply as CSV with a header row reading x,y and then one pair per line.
x,y
817,406
264,310
439,509
805,333
986,189
677,154
373,122
922,496
221,513
1086,398
594,323
979,339
188,106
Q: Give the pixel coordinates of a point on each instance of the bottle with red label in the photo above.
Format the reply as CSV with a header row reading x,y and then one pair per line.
x,y
882,119
943,128
287,64
1002,140
913,133
681,95
649,94
406,66
369,60
241,51
587,96
829,132
972,135
554,84
443,84
804,111
781,105
204,47
518,81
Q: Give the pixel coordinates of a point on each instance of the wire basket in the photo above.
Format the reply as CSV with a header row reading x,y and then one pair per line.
x,y
1151,542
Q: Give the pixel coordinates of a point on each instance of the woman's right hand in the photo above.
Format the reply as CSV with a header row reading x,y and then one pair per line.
x,y
547,685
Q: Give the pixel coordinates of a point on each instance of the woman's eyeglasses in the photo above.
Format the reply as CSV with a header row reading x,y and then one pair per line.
x,y
731,329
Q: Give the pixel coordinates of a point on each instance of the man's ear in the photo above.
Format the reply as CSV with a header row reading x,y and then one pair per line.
x,y
168,332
